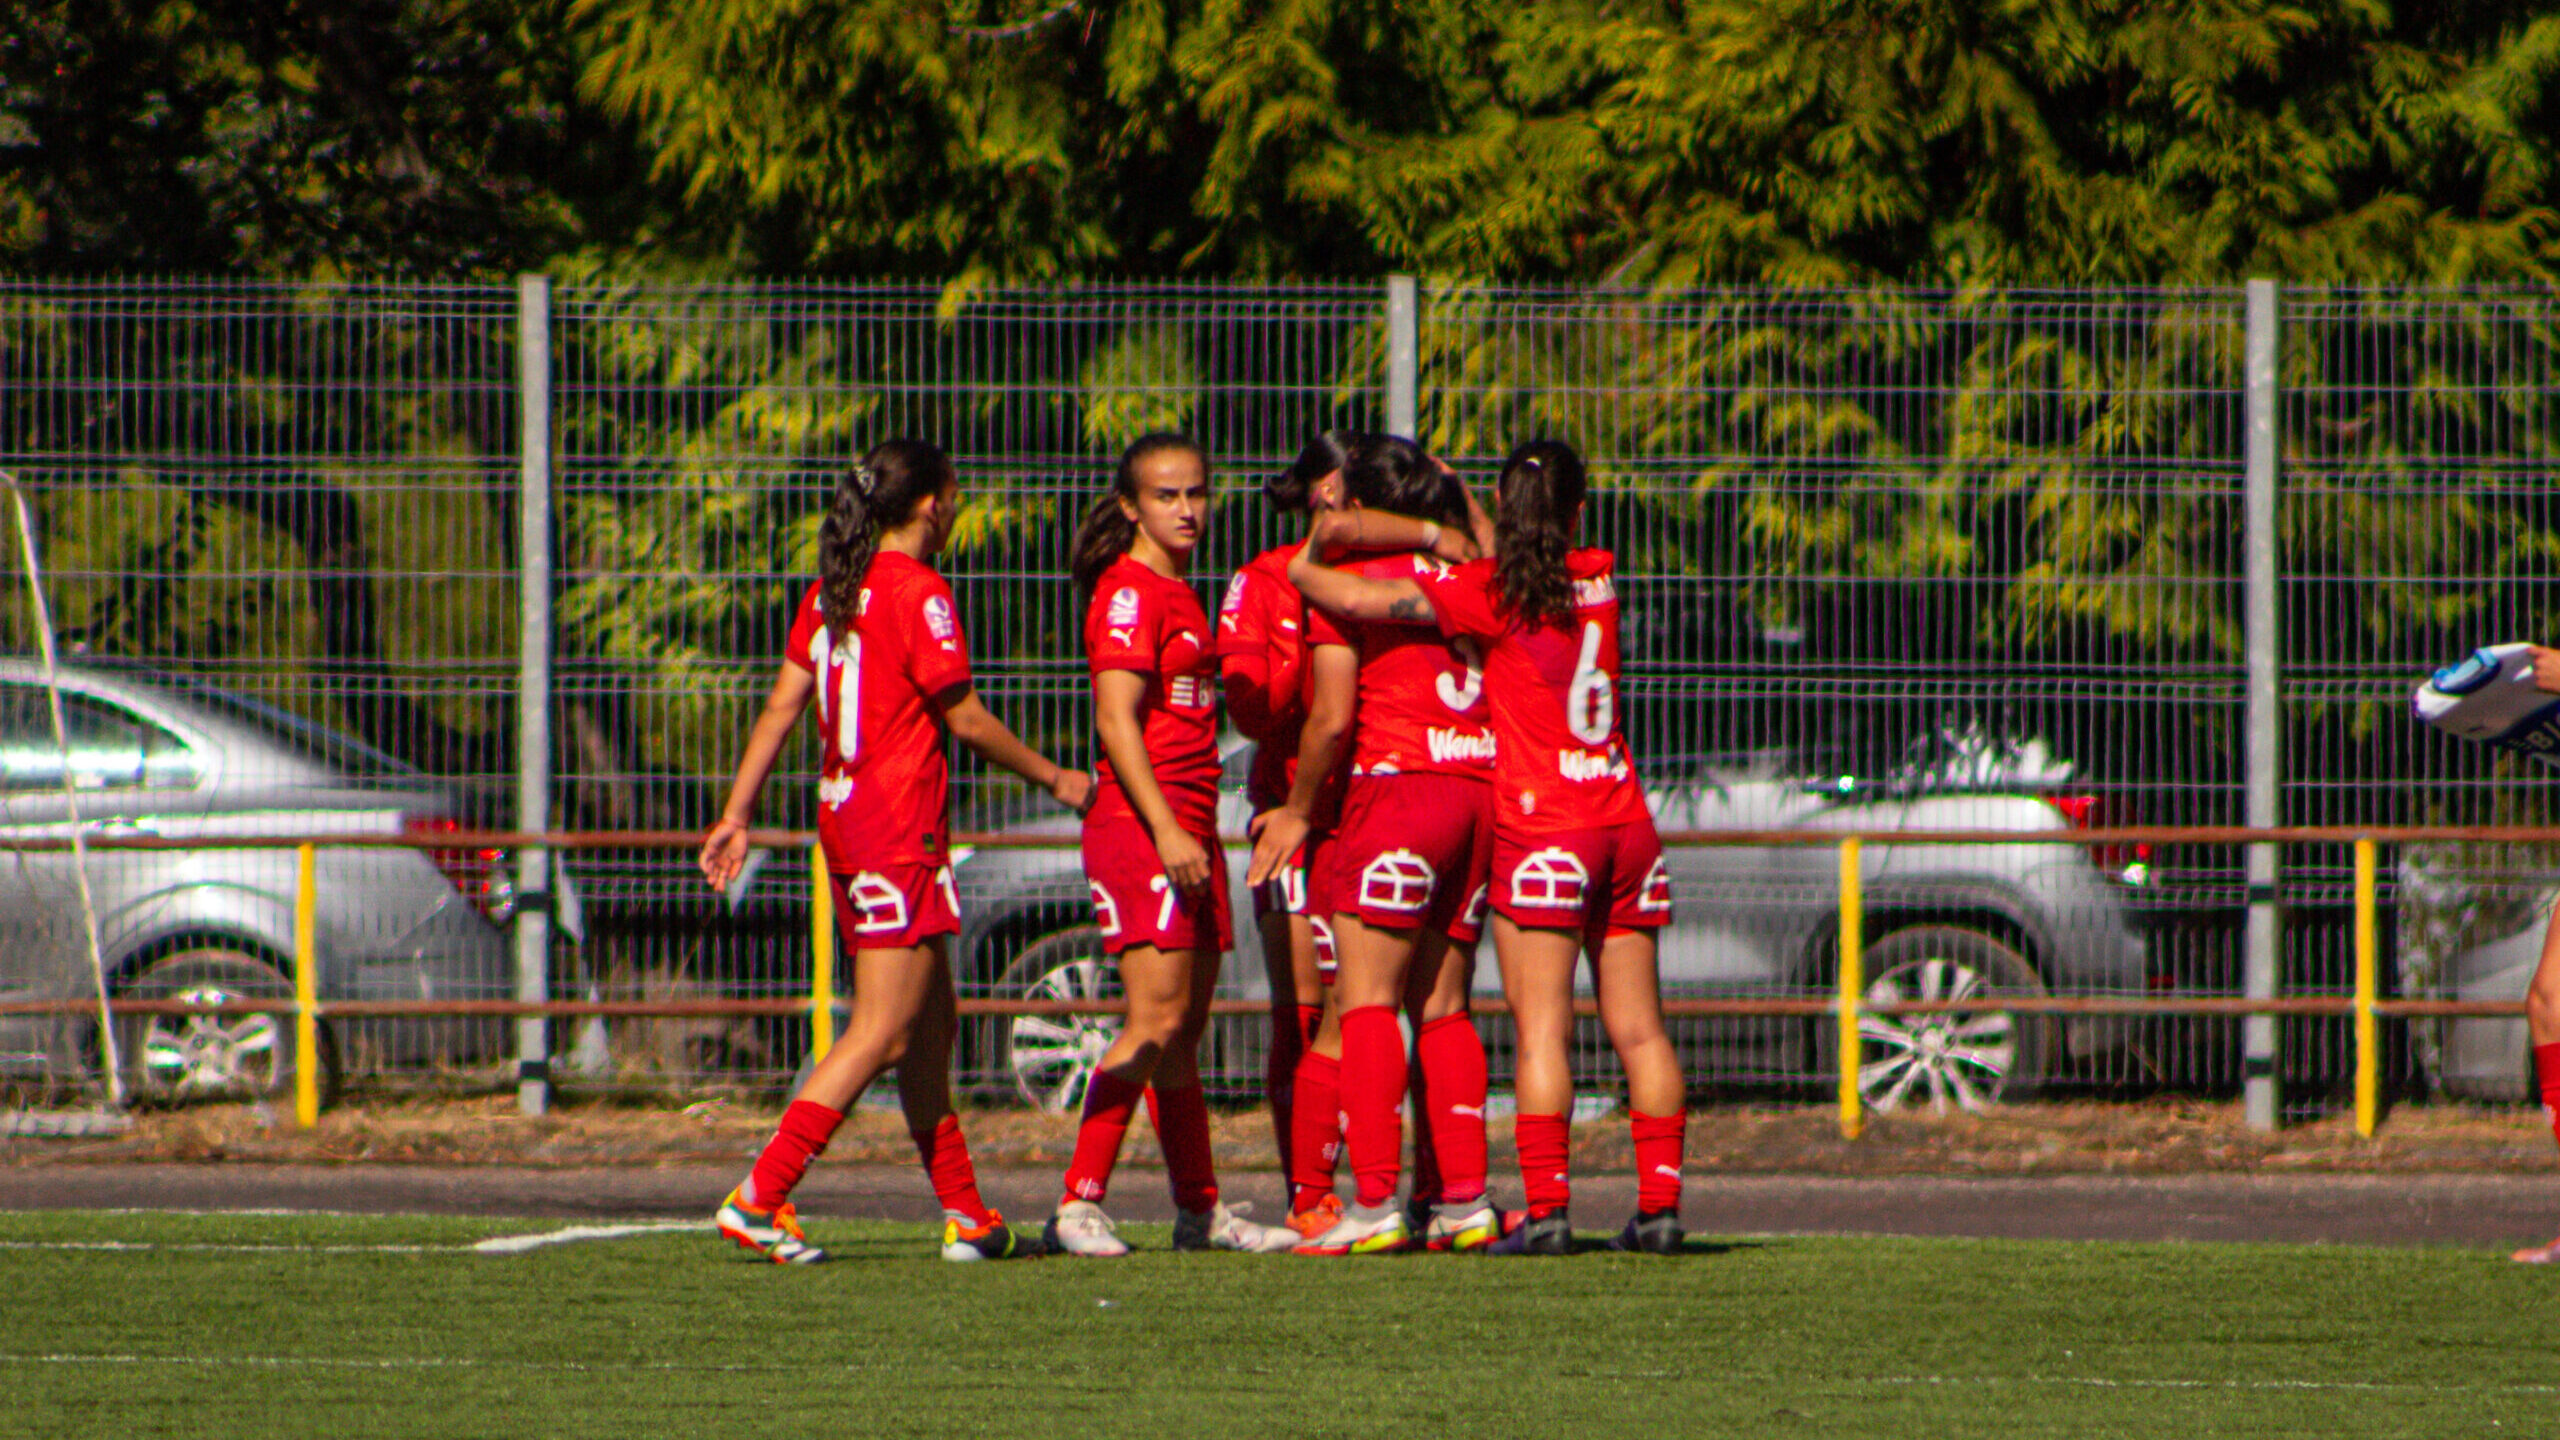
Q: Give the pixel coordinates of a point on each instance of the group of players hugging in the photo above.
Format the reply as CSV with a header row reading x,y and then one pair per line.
x,y
1434,694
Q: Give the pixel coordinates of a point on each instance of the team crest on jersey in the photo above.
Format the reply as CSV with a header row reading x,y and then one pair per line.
x,y
1124,608
937,617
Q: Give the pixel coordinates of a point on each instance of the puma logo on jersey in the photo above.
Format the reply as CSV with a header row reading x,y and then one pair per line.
x,y
1449,747
1124,608
1595,591
1124,637
1590,765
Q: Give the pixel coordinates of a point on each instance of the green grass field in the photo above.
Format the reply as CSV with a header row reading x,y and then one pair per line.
x,y
345,1326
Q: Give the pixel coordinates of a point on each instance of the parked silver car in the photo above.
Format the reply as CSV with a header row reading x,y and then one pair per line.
x,y
1941,923
155,756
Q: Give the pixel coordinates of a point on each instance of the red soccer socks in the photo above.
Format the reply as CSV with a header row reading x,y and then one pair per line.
x,y
1373,1082
955,1180
800,1138
1451,1056
1315,1145
1109,1104
1546,1156
1658,1143
1181,1119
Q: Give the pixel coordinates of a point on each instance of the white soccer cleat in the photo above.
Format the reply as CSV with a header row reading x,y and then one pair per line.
x,y
1471,1226
1080,1228
1224,1227
1363,1230
775,1234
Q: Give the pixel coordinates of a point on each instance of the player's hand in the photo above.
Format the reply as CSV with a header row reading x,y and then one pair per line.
x,y
1278,835
1185,862
1073,789
724,853
2546,669
1454,545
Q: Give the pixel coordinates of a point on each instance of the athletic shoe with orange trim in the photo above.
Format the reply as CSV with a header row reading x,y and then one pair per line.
x,y
1363,1230
2538,1254
994,1240
1317,1218
774,1234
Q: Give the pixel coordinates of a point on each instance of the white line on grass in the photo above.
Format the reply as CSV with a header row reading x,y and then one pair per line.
x,y
494,1245
519,1244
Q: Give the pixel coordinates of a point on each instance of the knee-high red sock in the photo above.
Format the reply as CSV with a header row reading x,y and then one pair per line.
x,y
800,1138
945,1154
1546,1159
1317,1146
1451,1055
2546,1068
1426,1153
1181,1118
1109,1102
1658,1141
1373,1078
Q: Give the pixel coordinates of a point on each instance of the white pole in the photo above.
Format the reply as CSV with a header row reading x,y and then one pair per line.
x,y
70,789
533,691
2261,717
1404,356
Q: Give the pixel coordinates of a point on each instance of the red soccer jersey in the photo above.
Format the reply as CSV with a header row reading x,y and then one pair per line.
x,y
1422,700
1262,655
1145,622
884,791
1560,760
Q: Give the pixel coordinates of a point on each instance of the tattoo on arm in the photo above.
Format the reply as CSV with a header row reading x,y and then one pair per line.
x,y
1409,607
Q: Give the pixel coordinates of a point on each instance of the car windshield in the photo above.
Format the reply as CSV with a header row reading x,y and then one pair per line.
x,y
307,738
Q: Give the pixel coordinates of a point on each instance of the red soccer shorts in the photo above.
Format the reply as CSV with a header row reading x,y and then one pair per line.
x,y
894,907
1134,902
1594,881
1304,886
1413,849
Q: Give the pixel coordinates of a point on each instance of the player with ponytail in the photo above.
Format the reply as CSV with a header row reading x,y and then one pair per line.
x,y
1151,850
1576,864
876,645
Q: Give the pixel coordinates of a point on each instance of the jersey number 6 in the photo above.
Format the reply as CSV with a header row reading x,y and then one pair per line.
x,y
1590,702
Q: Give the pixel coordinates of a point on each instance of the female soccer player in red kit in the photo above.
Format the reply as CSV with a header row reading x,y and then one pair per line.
x,y
1262,655
1577,865
877,645
1410,861
1151,850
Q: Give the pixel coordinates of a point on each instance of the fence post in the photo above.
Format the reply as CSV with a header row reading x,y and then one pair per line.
x,y
1853,980
1404,356
306,986
822,957
2368,982
2261,716
533,690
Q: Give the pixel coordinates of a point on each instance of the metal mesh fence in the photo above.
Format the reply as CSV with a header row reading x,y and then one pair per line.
x,y
1890,560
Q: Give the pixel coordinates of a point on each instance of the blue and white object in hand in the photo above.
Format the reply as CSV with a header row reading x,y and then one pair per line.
x,y
2490,697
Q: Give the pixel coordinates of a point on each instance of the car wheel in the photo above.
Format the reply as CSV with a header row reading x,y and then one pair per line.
x,y
174,1059
1051,1058
1967,1060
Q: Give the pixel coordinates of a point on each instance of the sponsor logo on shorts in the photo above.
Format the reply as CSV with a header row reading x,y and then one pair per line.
x,y
1105,913
1550,879
1398,880
1327,958
937,617
1450,747
835,790
1585,765
882,905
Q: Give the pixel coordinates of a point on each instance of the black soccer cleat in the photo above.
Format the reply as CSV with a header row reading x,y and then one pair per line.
x,y
1538,1235
1655,1232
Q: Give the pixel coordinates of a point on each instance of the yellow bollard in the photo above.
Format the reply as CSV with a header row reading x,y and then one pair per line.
x,y
2368,1046
1853,979
822,957
306,986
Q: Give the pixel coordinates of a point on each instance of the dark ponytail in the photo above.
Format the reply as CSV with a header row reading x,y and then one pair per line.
x,y
1291,490
1107,531
1395,474
1539,500
879,492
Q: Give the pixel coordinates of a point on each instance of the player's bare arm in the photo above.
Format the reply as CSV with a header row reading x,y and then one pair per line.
x,y
1277,834
1358,528
1358,597
973,725
724,849
1117,695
